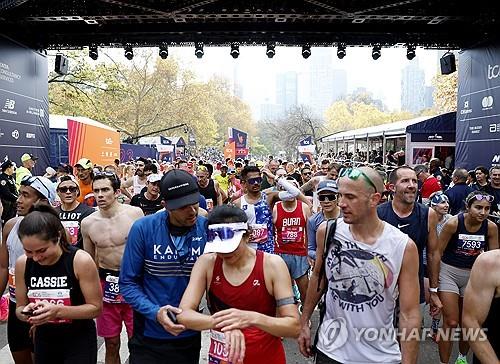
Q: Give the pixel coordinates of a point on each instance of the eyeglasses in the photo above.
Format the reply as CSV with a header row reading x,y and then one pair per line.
x,y
254,181
480,197
327,197
306,173
225,231
354,173
71,189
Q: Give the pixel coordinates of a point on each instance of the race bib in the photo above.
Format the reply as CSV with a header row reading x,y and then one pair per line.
x,y
292,234
111,290
259,233
217,354
12,284
59,296
72,228
210,204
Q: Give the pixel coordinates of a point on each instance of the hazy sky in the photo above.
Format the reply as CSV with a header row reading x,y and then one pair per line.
x,y
257,73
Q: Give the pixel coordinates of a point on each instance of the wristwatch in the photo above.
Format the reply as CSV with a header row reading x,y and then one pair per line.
x,y
433,290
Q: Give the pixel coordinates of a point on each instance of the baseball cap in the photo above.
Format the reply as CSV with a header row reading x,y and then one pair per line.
x,y
438,198
178,189
42,185
49,172
328,185
154,177
224,238
26,157
84,163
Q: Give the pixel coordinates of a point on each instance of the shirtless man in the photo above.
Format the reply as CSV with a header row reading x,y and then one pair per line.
x,y
104,236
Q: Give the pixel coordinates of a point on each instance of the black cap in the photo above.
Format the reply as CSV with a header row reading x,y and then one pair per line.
x,y
6,164
179,189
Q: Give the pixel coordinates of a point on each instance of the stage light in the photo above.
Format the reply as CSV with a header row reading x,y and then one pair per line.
x,y
410,53
341,52
235,50
270,51
306,51
376,52
163,52
198,49
129,52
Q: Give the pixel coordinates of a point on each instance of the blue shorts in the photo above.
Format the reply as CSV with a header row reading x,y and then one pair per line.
x,y
297,264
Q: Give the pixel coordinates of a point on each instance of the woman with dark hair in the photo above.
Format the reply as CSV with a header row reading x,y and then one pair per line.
x,y
60,294
461,240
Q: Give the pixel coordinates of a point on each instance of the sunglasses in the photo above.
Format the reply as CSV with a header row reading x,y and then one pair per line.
x,y
225,231
254,181
306,173
71,189
327,197
478,197
354,174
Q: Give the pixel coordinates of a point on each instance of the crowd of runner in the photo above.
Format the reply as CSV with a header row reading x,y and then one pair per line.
x,y
87,249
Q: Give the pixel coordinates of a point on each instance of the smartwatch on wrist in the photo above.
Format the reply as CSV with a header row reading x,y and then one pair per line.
x,y
433,290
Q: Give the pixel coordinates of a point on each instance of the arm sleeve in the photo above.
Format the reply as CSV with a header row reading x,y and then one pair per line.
x,y
311,238
289,187
131,274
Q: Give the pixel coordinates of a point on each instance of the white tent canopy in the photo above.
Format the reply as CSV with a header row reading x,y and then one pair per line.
x,y
397,128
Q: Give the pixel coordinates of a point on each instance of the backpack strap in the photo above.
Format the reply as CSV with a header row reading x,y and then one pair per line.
x,y
331,227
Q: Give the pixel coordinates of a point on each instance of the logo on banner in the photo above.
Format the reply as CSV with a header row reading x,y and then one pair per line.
x,y
493,71
9,106
487,102
109,141
30,135
495,128
495,159
466,109
15,134
435,137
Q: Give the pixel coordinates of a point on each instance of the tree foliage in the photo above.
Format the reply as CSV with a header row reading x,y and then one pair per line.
x,y
359,110
148,94
445,92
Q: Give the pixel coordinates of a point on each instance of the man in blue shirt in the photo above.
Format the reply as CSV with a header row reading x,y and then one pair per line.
x,y
160,253
459,191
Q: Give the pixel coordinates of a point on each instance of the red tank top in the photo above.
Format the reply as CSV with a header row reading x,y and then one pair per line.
x,y
251,295
290,230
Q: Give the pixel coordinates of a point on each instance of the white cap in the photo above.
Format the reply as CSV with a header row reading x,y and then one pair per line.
x,y
154,178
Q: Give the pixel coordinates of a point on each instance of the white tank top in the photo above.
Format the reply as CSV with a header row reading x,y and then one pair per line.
x,y
15,249
361,297
137,185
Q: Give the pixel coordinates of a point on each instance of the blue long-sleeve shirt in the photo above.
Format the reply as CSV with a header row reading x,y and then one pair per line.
x,y
155,273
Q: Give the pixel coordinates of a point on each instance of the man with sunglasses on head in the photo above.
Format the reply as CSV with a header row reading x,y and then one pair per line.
x,y
138,181
71,211
160,253
105,235
367,264
33,189
258,205
419,223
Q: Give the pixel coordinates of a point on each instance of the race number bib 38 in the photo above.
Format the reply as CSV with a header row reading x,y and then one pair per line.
x,y
59,296
217,354
111,290
259,233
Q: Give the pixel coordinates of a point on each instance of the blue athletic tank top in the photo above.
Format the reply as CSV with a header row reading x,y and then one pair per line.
x,y
416,226
465,246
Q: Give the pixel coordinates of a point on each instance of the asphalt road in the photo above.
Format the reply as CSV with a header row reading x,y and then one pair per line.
x,y
428,349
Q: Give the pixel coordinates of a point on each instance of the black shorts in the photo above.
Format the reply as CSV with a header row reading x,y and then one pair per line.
x,y
69,344
323,359
18,332
144,350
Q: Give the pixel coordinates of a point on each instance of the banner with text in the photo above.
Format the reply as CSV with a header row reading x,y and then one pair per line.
x,y
307,149
99,144
478,104
24,116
